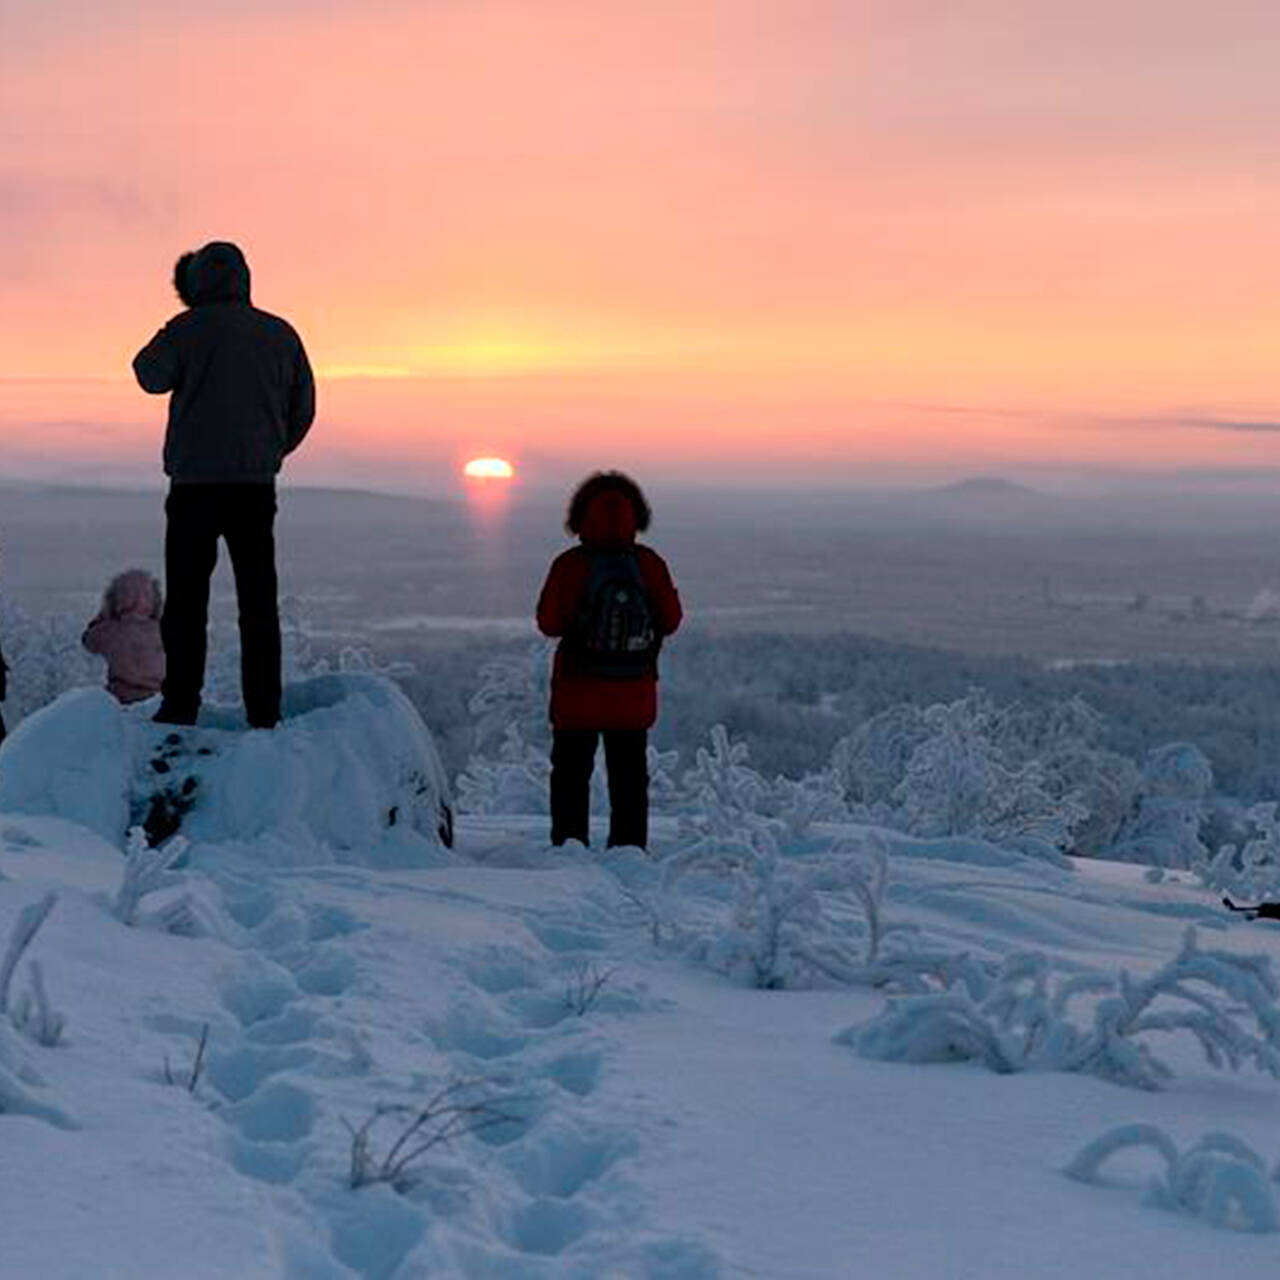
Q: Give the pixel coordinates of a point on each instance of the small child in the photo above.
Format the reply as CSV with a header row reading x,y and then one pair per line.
x,y
127,633
611,602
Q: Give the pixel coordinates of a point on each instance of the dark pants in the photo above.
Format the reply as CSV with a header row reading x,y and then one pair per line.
x,y
198,515
573,756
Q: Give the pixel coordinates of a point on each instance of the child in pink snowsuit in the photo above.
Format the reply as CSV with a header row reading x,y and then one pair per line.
x,y
127,633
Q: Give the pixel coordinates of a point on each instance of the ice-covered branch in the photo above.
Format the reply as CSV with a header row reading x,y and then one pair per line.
x,y
25,928
1020,1021
146,870
1219,1179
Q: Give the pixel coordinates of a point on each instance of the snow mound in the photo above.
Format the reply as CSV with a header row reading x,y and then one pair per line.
x,y
352,773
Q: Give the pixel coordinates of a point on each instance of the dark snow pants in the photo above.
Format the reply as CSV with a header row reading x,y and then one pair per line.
x,y
573,755
197,516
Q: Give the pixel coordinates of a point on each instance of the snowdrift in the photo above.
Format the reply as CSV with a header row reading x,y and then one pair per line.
x,y
351,774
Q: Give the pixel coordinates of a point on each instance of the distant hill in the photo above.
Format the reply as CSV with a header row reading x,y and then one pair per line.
x,y
995,487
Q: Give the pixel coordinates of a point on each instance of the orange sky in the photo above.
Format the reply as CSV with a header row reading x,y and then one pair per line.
x,y
804,241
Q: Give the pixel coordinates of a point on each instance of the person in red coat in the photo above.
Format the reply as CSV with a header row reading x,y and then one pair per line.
x,y
604,681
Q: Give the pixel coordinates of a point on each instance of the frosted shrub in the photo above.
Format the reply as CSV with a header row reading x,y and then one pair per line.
x,y
957,783
792,918
795,920
1165,826
1219,1179
872,761
514,691
1064,741
721,795
1033,777
516,782
1020,1021
1250,870
45,659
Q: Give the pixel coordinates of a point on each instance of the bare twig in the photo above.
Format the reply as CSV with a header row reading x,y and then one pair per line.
x,y
197,1065
650,913
585,987
445,1116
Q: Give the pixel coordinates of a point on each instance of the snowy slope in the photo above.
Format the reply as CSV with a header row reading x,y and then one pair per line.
x,y
673,1123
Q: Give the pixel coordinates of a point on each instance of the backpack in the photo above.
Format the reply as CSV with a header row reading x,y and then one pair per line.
x,y
614,635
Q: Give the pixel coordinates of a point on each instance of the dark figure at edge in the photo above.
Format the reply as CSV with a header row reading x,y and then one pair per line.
x,y
589,699
241,398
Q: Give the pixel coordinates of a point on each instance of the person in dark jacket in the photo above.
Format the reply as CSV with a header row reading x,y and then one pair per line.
x,y
241,398
589,700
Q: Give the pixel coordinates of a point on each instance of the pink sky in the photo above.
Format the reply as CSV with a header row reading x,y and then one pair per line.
x,y
802,241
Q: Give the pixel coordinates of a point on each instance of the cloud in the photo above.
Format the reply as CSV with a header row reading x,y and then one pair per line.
x,y
1262,426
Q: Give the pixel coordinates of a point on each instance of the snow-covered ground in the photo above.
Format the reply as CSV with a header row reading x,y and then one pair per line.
x,y
634,1111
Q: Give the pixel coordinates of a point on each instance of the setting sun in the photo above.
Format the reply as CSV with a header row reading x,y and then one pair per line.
x,y
489,469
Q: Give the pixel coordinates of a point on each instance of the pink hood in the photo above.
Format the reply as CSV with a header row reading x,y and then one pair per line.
x,y
133,594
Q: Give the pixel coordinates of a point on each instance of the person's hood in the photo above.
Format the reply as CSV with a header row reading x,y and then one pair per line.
x,y
217,273
609,520
134,593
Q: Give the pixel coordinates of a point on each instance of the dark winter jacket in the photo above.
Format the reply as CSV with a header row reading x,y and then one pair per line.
x,y
580,700
242,394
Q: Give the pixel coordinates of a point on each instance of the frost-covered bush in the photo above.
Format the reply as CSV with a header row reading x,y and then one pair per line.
x,y
514,693
1064,740
721,792
1164,828
515,781
791,919
1251,869
1020,1021
45,659
780,908
1030,777
1219,1179
872,761
959,782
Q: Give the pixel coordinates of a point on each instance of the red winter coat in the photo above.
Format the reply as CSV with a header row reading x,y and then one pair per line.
x,y
580,700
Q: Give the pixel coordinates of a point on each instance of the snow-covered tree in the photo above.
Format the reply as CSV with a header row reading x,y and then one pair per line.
x,y
45,659
1165,825
958,782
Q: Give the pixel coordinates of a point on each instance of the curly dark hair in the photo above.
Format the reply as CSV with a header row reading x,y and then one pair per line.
x,y
182,278
607,482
